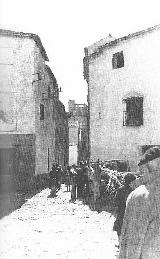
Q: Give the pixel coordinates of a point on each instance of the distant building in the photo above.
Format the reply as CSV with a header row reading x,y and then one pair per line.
x,y
61,134
123,95
78,132
29,101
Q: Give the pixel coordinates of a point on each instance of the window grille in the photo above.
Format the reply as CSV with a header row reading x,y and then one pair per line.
x,y
133,111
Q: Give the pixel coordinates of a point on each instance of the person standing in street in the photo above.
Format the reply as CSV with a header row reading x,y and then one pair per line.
x,y
86,190
80,181
140,235
74,183
120,201
58,176
68,178
52,180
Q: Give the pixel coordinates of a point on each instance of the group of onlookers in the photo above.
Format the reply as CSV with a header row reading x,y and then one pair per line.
x,y
77,178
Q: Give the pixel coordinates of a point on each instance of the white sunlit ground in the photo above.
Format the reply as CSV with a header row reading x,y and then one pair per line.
x,y
55,228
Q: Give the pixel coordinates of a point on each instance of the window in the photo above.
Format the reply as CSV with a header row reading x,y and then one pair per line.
x,y
118,60
37,77
41,112
144,148
133,111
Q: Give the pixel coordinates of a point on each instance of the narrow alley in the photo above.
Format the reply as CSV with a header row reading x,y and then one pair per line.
x,y
55,228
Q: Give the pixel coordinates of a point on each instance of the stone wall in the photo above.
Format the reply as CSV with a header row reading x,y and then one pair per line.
x,y
18,114
17,161
44,128
16,93
27,142
61,134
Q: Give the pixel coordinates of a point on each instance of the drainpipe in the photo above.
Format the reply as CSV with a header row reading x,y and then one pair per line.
x,y
86,77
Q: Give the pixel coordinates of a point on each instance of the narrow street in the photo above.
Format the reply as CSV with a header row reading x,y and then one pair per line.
x,y
55,228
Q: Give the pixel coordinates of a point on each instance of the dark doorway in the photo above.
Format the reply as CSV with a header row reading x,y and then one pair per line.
x,y
7,161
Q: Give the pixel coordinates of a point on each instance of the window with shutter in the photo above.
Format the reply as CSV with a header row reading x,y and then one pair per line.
x,y
118,60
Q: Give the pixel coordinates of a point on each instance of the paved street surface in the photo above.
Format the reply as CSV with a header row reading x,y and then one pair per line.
x,y
55,228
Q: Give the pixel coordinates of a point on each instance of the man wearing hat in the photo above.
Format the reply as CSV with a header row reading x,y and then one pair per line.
x,y
140,235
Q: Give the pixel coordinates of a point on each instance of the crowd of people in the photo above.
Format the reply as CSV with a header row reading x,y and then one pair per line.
x,y
74,177
137,202
79,179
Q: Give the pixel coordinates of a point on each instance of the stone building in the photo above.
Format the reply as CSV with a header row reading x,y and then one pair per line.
x,y
61,134
28,93
56,127
123,95
78,132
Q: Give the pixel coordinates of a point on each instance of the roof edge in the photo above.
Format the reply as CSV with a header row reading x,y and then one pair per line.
x,y
35,37
49,70
116,41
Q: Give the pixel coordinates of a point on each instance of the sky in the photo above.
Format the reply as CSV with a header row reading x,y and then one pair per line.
x,y
67,26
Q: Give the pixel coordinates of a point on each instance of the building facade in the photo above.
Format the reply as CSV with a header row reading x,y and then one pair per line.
x,y
61,134
28,94
123,95
78,132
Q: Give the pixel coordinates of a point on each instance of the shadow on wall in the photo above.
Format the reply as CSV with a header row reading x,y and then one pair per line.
x,y
11,200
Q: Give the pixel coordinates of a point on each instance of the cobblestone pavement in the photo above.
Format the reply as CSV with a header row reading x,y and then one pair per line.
x,y
55,228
